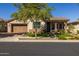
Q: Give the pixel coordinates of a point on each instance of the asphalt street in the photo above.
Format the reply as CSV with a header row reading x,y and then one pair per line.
x,y
39,49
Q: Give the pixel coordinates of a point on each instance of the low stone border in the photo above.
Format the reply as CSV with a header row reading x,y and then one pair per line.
x,y
37,38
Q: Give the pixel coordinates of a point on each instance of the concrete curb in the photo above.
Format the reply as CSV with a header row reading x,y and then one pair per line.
x,y
40,41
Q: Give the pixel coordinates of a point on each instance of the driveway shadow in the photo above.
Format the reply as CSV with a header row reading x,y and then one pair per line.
x,y
3,35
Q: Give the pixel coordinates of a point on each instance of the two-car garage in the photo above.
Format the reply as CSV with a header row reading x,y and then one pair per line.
x,y
19,28
15,26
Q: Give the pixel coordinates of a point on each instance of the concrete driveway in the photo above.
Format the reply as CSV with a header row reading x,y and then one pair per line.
x,y
39,49
4,35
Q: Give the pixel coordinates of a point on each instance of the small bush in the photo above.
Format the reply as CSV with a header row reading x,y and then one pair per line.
x,y
30,34
38,34
63,37
43,34
61,31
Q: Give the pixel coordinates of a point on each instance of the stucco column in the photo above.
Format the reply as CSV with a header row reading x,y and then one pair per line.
x,y
50,26
65,26
9,28
55,27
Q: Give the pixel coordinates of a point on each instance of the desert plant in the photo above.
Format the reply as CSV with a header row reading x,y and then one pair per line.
x,y
30,34
61,32
43,35
38,34
62,37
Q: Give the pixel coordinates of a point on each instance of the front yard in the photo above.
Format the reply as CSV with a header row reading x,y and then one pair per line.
x,y
58,36
43,36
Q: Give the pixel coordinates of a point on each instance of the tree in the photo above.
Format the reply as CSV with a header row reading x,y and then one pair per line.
x,y
70,28
32,11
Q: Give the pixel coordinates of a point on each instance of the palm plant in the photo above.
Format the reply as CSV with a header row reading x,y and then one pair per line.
x,y
32,11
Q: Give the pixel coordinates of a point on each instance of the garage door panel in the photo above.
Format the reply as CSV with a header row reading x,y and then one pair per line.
x,y
19,28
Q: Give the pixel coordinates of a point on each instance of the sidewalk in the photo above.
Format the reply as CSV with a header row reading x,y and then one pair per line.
x,y
16,39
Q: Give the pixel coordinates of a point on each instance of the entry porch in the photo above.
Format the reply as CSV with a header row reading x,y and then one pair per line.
x,y
55,26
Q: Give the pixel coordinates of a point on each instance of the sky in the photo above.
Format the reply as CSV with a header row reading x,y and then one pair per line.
x,y
70,11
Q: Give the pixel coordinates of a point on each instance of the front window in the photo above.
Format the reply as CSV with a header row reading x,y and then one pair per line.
x,y
60,26
36,24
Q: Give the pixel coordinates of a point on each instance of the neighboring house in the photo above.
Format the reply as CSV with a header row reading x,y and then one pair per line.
x,y
76,26
3,27
54,24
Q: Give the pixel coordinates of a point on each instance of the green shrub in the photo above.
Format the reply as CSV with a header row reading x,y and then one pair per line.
x,y
30,34
38,34
63,37
61,31
43,35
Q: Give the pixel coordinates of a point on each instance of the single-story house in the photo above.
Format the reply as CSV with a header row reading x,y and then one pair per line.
x,y
53,24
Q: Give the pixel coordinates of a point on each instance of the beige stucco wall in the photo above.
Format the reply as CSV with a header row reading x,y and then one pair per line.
x,y
9,28
30,25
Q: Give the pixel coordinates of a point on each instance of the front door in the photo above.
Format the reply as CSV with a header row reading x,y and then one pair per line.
x,y
48,26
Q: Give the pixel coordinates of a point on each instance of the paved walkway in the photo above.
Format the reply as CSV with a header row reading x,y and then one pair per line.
x,y
9,39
